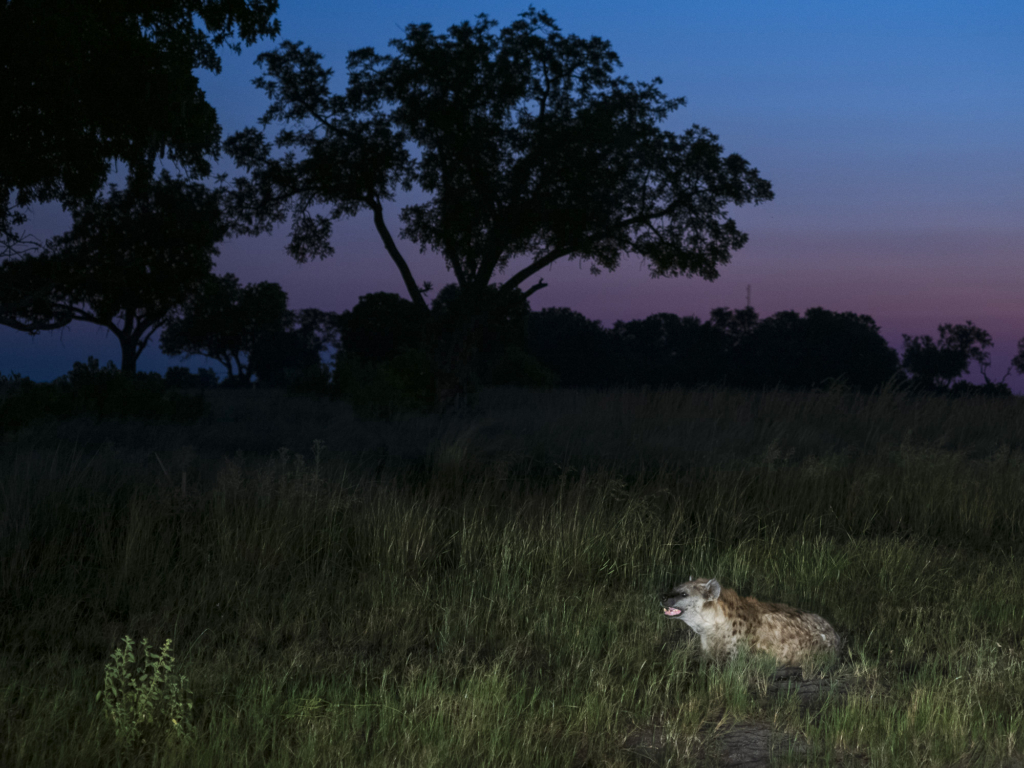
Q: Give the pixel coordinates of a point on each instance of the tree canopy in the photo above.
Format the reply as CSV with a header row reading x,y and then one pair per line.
x,y
250,331
528,147
89,83
224,320
379,326
290,356
128,261
936,365
814,350
578,350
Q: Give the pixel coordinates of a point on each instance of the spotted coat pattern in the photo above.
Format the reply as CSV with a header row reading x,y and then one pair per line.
x,y
724,621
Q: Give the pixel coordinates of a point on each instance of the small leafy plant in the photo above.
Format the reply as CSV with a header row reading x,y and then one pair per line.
x,y
144,701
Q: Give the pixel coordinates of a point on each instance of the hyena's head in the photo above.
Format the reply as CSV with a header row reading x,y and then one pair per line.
x,y
686,601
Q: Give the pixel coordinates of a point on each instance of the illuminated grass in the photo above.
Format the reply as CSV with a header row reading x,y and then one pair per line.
x,y
482,591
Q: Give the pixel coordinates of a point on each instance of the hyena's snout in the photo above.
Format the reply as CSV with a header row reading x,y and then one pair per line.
x,y
669,604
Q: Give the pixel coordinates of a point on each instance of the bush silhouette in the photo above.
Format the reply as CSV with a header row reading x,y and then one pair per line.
x,y
383,390
577,350
90,390
380,326
816,349
180,377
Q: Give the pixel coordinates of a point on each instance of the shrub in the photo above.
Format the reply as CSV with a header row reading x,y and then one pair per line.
x,y
517,368
383,390
380,325
988,389
180,377
145,703
314,380
91,390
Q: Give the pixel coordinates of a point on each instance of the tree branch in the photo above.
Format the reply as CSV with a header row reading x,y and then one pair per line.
x,y
9,312
530,291
553,256
536,266
395,254
145,337
33,326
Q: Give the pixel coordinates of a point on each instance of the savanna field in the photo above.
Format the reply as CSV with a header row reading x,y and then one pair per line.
x,y
481,589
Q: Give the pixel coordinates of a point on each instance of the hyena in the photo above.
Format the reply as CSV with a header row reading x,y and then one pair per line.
x,y
724,620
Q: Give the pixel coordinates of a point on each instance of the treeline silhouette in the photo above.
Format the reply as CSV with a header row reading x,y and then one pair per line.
x,y
733,347
736,348
383,364
382,354
102,393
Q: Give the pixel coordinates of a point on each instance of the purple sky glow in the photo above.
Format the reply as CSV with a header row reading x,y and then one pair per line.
x,y
890,132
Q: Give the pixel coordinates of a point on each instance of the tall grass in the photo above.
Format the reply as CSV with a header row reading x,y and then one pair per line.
x,y
481,590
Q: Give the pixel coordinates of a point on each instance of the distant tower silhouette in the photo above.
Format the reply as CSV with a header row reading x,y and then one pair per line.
x,y
748,295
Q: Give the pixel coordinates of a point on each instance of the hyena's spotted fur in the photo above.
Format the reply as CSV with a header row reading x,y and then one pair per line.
x,y
724,621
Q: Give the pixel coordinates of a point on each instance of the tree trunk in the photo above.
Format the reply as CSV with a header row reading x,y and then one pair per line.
x,y
129,353
454,355
462,325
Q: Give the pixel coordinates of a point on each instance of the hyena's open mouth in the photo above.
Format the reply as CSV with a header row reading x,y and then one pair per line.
x,y
671,611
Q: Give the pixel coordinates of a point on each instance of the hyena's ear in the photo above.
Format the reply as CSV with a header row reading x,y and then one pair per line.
x,y
712,590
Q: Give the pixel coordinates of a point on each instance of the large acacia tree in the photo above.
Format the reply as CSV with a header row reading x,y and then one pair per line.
x,y
130,259
527,145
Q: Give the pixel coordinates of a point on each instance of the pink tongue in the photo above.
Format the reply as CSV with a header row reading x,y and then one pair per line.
x,y
672,611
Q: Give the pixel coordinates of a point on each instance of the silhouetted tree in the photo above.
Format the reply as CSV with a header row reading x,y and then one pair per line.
x,y
734,328
733,348
27,284
1017,363
224,321
128,261
380,325
665,349
482,327
86,84
526,145
292,355
180,377
736,324
935,365
816,349
324,327
576,349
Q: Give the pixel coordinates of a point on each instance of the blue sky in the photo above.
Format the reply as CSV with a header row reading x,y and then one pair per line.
x,y
890,132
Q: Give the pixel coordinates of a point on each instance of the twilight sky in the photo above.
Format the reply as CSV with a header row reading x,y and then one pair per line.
x,y
890,133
